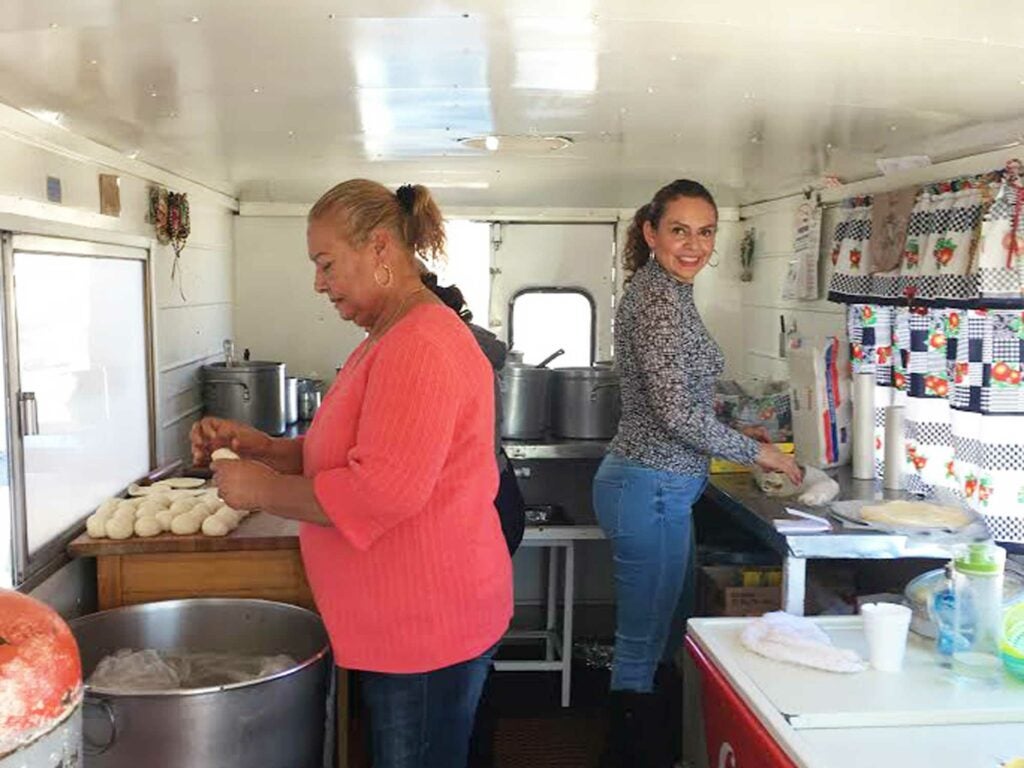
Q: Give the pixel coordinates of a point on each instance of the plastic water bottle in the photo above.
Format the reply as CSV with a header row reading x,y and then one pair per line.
x,y
942,610
977,610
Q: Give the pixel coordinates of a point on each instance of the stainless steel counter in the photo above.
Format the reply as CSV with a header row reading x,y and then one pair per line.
x,y
738,496
555,448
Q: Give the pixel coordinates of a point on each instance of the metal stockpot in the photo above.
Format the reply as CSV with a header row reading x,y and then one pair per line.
x,y
525,397
291,400
585,403
250,392
273,722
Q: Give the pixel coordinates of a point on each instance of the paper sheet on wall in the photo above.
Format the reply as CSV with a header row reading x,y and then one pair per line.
x,y
802,273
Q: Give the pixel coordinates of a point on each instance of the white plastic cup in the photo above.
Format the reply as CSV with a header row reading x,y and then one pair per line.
x,y
886,626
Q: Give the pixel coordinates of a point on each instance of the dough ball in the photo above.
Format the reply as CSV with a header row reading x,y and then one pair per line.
x,y
228,513
149,508
163,499
120,528
96,526
108,506
123,513
164,517
147,526
182,505
202,510
223,454
215,525
186,524
211,497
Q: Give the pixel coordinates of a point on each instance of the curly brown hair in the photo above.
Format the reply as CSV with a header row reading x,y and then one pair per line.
x,y
636,251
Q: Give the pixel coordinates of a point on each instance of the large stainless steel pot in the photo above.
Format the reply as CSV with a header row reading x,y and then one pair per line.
x,y
525,397
250,392
585,402
291,400
272,722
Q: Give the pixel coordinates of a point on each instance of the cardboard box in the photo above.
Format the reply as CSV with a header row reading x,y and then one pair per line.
x,y
722,590
722,467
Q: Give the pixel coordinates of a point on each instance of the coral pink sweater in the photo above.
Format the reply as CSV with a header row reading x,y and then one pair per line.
x,y
414,575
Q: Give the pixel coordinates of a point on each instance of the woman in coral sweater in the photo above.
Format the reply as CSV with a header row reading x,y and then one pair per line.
x,y
394,482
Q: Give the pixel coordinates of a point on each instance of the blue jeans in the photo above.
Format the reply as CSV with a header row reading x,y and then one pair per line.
x,y
646,514
424,720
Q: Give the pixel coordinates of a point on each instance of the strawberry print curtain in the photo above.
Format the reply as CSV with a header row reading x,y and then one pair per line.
x,y
958,374
939,262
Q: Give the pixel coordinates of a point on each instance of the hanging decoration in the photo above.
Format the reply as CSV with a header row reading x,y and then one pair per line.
x,y
169,214
747,256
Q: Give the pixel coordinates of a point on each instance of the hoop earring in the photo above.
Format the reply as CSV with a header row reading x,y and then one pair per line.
x,y
386,281
714,253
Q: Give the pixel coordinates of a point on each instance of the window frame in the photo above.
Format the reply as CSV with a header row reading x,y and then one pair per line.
x,y
555,289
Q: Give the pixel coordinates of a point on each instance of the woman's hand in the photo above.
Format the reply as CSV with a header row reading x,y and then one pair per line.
x,y
210,433
757,433
772,459
243,484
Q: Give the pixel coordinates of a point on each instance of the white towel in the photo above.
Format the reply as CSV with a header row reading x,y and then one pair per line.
x,y
817,488
794,639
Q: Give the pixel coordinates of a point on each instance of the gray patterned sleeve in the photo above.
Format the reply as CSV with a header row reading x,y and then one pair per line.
x,y
670,361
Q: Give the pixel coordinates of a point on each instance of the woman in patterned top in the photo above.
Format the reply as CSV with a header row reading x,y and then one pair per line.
x,y
657,464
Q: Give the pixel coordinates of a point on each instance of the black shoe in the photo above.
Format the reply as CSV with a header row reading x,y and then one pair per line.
x,y
638,732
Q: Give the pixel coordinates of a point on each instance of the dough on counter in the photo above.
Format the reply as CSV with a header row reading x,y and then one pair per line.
x,y
228,513
147,526
916,514
163,499
120,528
123,513
203,510
184,482
215,525
149,508
108,506
164,517
186,524
224,454
180,506
96,526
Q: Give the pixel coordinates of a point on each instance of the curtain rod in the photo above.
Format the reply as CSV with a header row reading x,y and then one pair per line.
x,y
808,191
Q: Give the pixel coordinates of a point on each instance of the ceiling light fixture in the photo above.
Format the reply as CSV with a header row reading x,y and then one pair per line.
x,y
516,144
194,19
256,89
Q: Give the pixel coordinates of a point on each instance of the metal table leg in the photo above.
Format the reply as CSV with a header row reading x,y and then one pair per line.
x,y
552,601
567,606
794,584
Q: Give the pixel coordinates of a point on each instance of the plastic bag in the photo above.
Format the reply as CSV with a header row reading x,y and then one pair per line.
x,y
756,403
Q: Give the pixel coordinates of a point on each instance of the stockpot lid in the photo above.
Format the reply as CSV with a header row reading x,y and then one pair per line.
x,y
249,366
587,373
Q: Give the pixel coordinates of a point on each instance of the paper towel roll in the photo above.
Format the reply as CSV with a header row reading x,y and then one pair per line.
x,y
892,478
864,426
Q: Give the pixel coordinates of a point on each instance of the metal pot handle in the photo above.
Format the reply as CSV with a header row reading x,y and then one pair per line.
x,y
596,387
89,747
242,384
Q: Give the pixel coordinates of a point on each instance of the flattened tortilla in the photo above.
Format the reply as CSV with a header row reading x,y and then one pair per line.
x,y
915,514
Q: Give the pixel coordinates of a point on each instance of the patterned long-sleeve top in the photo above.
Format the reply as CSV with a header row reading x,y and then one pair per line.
x,y
669,364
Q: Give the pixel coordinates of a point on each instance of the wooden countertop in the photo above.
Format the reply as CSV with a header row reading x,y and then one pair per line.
x,y
259,531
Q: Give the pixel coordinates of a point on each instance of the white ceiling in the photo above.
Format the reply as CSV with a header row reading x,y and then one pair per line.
x,y
274,100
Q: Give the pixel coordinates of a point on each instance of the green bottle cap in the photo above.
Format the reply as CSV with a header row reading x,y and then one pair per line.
x,y
981,559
